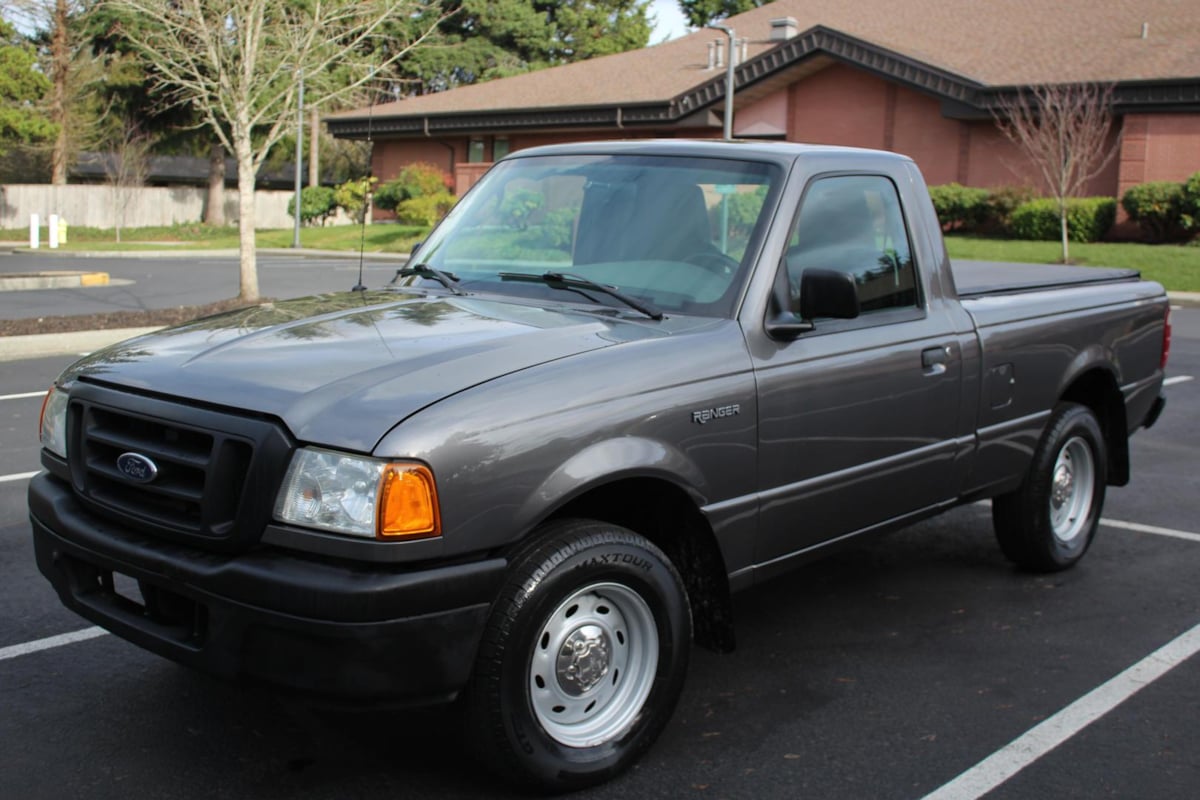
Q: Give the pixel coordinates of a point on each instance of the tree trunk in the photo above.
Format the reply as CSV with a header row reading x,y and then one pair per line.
x,y
1062,217
60,66
314,160
247,265
214,205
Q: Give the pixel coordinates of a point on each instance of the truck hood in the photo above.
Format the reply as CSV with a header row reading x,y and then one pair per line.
x,y
341,370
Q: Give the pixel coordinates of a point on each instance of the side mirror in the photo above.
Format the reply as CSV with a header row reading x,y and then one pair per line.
x,y
823,293
827,293
416,246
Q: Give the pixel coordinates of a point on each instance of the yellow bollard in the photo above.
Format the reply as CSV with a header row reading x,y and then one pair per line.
x,y
62,231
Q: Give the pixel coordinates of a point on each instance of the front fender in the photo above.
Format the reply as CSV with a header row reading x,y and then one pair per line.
x,y
608,461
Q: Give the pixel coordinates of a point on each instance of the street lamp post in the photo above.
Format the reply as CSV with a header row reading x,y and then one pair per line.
x,y
299,159
729,53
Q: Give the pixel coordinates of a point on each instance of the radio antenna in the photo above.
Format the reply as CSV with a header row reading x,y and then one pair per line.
x,y
362,235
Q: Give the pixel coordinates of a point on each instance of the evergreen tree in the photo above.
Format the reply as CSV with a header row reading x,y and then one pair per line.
x,y
23,89
701,12
479,40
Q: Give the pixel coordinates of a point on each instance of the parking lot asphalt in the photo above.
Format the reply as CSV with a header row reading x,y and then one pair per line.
x,y
886,671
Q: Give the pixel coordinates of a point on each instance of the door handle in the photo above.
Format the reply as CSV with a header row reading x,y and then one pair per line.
x,y
933,361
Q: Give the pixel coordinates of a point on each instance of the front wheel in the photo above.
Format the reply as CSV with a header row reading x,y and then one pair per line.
x,y
583,657
1048,523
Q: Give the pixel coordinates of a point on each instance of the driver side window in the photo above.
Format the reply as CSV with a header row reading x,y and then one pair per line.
x,y
854,224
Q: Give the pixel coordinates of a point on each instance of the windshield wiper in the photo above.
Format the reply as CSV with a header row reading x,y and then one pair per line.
x,y
565,280
447,279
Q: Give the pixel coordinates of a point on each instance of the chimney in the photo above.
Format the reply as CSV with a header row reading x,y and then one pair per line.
x,y
720,47
1145,30
784,28
712,59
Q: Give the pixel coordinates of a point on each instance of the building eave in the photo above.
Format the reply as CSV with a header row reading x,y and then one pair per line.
x,y
962,97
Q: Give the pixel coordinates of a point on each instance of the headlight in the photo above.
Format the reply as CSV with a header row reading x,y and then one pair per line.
x,y
358,496
53,425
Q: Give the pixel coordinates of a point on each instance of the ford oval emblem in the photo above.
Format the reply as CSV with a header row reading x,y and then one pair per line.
x,y
137,467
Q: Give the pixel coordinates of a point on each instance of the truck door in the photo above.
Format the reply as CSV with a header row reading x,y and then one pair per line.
x,y
858,417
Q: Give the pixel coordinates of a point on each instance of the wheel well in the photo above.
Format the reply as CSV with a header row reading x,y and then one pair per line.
x,y
664,514
1098,390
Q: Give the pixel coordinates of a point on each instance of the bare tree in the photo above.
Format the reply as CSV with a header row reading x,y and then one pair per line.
x,y
127,166
214,203
236,62
1064,130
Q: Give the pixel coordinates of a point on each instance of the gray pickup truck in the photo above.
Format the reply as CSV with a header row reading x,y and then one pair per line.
x,y
618,383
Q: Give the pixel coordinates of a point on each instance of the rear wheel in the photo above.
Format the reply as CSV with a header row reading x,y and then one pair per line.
x,y
583,657
1048,523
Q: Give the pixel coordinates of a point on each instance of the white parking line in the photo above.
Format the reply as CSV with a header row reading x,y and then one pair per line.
x,y
20,476
22,395
51,642
1136,526
1168,382
1040,740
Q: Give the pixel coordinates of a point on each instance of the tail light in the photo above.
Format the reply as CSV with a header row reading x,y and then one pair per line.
x,y
1166,349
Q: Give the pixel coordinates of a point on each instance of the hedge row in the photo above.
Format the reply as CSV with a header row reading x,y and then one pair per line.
x,y
1088,219
965,209
1163,209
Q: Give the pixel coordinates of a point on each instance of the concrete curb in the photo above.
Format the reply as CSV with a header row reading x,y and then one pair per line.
x,y
1185,299
398,258
51,279
40,345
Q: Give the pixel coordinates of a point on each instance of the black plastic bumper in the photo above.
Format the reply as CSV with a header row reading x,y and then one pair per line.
x,y
334,628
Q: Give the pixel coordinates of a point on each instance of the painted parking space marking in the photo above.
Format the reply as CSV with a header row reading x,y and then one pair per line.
x,y
22,395
1046,736
50,642
1136,526
20,476
1177,380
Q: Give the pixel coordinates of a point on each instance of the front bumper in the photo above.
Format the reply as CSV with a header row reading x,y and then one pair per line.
x,y
330,627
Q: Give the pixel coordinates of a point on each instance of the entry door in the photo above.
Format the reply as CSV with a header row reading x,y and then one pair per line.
x,y
857,419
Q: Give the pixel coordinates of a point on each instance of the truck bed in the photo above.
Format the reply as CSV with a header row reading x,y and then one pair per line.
x,y
979,278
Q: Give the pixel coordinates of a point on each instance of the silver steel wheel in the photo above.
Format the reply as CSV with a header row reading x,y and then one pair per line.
x,y
593,665
1072,489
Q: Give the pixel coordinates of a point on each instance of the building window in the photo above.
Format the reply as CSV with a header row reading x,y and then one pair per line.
x,y
499,148
475,151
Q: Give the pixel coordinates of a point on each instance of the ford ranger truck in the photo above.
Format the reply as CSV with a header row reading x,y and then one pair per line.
x,y
618,383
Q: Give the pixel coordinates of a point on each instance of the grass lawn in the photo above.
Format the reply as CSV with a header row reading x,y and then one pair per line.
x,y
1176,267
381,238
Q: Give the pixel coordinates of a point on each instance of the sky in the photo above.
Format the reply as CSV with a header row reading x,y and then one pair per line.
x,y
671,24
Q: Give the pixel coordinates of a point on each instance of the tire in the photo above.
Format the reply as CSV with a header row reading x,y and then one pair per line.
x,y
583,657
1048,523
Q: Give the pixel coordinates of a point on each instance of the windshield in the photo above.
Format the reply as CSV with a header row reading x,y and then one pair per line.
x,y
674,232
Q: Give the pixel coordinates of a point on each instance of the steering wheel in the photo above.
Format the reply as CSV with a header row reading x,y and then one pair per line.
x,y
714,261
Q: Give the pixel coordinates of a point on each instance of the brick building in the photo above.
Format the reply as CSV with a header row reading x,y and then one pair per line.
x,y
920,77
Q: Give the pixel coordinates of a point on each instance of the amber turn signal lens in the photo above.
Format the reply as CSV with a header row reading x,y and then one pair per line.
x,y
408,506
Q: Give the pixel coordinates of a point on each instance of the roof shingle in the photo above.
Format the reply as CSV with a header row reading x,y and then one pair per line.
x,y
996,43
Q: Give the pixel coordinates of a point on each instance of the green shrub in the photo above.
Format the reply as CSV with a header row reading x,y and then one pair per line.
x,y
959,207
419,179
316,205
426,210
352,196
1189,204
1156,207
1001,203
1088,218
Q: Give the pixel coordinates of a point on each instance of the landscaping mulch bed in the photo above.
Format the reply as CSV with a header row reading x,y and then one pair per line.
x,y
115,319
